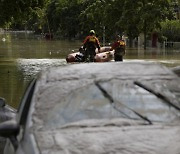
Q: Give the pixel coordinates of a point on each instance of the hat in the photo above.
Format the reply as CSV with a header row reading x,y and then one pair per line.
x,y
92,32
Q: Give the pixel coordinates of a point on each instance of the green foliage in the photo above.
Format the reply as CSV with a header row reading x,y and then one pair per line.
x,y
74,18
130,17
63,17
132,12
171,30
93,17
18,11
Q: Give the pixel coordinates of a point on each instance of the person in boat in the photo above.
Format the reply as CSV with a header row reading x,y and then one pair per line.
x,y
80,56
119,47
90,44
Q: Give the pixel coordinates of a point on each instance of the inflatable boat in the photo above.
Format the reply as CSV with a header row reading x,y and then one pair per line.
x,y
104,55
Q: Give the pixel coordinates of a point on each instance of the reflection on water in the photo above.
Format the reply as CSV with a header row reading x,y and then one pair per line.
x,y
168,57
168,63
36,48
15,76
23,55
31,67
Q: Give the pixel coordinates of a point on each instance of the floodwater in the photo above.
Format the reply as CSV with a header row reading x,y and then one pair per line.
x,y
24,55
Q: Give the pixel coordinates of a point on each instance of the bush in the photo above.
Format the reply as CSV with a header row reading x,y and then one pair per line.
x,y
171,30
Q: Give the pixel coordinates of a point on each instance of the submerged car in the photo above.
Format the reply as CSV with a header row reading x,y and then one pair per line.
x,y
98,108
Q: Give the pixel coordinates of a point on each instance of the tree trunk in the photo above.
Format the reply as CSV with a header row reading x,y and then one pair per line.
x,y
130,42
145,27
145,33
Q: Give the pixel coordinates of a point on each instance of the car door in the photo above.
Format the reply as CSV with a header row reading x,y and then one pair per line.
x,y
14,140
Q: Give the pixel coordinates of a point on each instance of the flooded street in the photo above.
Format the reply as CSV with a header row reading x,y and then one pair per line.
x,y
22,56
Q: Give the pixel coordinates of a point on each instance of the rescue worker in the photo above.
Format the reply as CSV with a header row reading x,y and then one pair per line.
x,y
90,44
119,47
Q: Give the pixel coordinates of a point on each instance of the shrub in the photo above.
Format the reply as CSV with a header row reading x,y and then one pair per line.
x,y
171,30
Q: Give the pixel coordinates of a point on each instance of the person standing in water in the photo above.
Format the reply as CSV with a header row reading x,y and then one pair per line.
x,y
119,47
90,44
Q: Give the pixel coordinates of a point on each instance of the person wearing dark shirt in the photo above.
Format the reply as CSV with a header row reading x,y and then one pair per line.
x,y
119,47
90,44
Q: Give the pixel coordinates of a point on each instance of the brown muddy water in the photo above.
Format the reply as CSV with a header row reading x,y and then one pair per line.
x,y
24,55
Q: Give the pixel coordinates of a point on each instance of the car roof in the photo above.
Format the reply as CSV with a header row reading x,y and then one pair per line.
x,y
57,88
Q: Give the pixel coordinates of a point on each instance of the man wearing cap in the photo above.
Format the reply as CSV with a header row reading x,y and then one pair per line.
x,y
90,44
119,47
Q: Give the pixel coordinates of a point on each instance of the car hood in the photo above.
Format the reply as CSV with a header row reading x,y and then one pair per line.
x,y
110,136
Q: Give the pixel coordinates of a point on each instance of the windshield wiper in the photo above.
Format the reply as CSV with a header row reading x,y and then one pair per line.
x,y
156,93
108,96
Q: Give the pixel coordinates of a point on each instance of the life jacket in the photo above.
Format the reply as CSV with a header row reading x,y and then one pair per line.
x,y
121,43
92,39
91,42
120,48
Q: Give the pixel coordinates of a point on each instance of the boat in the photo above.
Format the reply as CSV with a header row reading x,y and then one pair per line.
x,y
104,55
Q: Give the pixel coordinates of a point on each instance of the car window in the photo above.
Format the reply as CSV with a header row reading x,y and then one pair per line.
x,y
112,99
128,96
84,103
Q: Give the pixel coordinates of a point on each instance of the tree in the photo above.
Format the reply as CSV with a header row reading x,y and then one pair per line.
x,y
143,16
113,14
103,16
170,29
18,11
131,18
71,18
153,12
63,17
89,17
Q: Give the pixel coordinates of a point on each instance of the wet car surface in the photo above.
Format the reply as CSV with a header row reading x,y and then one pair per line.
x,y
99,108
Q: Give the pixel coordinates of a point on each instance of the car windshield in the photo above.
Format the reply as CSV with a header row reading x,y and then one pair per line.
x,y
108,100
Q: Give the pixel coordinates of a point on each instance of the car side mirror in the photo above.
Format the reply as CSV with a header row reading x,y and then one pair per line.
x,y
2,102
6,112
9,128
